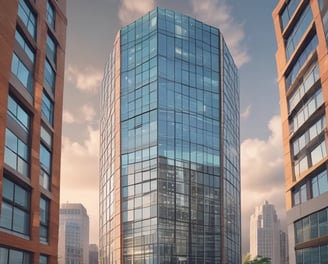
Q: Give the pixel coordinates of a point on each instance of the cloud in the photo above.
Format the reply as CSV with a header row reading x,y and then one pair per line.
x,y
132,9
247,112
262,175
87,80
79,161
218,13
68,118
88,112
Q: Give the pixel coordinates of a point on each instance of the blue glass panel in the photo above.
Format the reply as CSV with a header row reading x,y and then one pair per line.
x,y
49,75
27,16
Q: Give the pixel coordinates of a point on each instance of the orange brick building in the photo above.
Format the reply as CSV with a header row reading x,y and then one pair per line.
x,y
302,64
32,55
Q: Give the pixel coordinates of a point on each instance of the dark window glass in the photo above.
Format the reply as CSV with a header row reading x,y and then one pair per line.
x,y
45,164
15,211
25,46
311,227
291,76
319,184
18,114
49,75
298,31
43,259
47,108
51,15
23,74
288,12
27,16
44,219
16,153
51,49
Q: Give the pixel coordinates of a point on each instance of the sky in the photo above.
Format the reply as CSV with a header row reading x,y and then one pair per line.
x,y
247,28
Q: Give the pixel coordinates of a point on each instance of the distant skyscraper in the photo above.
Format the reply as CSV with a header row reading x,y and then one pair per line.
x,y
169,165
93,254
302,64
73,246
32,59
284,259
265,233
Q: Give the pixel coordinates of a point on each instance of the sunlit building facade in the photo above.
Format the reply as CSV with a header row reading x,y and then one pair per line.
x,y
73,242
265,233
32,59
169,164
302,64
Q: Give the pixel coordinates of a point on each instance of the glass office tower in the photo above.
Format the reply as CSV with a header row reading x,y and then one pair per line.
x,y
302,64
170,181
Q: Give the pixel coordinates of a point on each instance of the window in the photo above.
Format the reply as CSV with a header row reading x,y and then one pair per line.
x,y
302,141
309,79
16,153
45,167
318,153
312,255
44,219
26,15
46,136
9,256
309,107
51,15
24,75
25,46
18,114
301,165
51,49
311,227
298,31
319,184
47,108
291,76
49,75
15,211
43,259
288,12
299,195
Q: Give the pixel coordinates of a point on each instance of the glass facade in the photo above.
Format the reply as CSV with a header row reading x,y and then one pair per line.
x,y
10,256
179,182
15,209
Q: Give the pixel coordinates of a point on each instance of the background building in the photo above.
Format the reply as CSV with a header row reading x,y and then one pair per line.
x,y
302,64
73,244
265,233
169,166
32,48
284,259
93,254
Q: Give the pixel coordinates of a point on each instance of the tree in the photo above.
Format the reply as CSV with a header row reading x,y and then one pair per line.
x,y
257,260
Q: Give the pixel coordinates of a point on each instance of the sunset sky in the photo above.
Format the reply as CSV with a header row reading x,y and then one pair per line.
x,y
248,30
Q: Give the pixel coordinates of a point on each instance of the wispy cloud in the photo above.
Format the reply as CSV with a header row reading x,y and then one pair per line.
x,y
80,161
132,9
218,13
68,117
87,79
247,112
262,175
88,112
85,114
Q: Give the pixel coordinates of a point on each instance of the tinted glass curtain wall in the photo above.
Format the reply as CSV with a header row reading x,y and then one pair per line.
x,y
170,145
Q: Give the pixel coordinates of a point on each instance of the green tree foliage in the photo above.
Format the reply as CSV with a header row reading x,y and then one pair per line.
x,y
257,260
